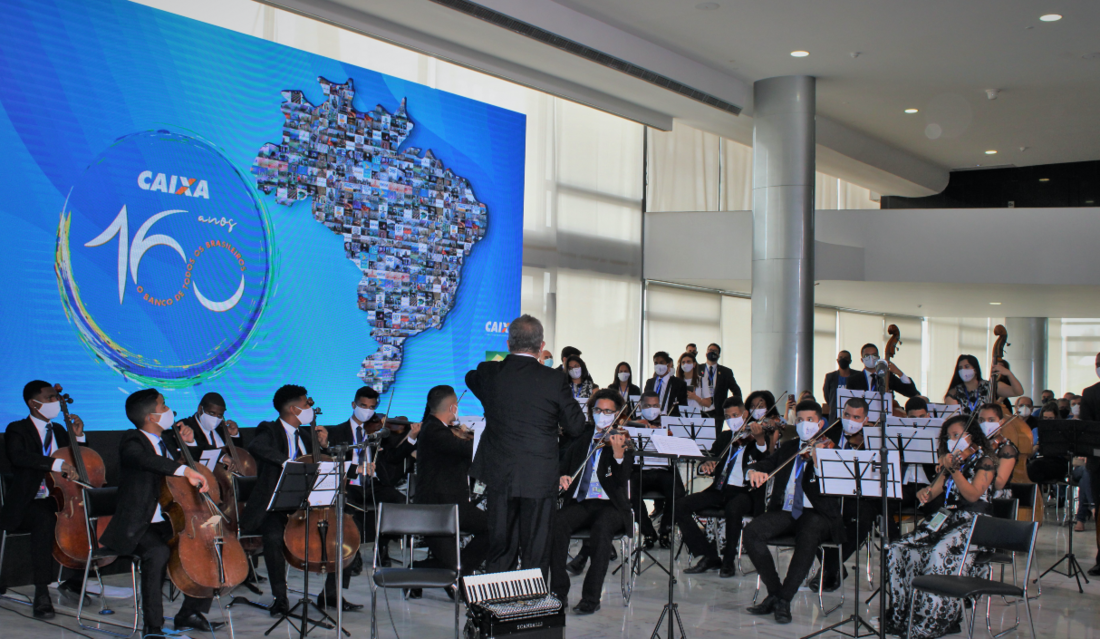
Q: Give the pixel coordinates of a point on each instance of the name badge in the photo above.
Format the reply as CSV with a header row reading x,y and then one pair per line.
x,y
43,492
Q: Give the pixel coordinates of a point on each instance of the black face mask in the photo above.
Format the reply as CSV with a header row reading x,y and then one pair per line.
x,y
844,362
1064,413
712,356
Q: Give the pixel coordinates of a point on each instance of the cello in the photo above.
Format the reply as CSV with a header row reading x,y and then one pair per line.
x,y
1014,429
322,546
206,556
70,534
891,349
243,465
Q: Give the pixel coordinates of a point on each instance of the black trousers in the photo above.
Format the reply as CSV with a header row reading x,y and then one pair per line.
x,y
367,495
604,522
272,529
659,480
519,528
855,529
471,520
1093,466
736,502
809,531
39,519
153,551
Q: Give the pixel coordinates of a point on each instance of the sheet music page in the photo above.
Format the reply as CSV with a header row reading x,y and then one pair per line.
x,y
210,458
676,446
324,487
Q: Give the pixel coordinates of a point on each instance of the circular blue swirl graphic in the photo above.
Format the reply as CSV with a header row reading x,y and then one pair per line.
x,y
164,258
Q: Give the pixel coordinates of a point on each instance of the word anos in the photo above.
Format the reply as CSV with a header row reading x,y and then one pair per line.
x,y
178,184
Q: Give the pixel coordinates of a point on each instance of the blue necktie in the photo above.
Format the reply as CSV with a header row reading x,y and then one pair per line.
x,y
660,380
49,440
796,503
586,477
724,478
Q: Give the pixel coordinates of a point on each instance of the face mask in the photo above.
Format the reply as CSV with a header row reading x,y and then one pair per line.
x,y
1024,411
850,426
758,413
956,445
807,430
1075,409
735,423
363,414
966,374
575,373
869,361
660,369
165,419
624,377
844,362
549,361
651,413
208,422
712,356
306,416
603,421
687,366
50,410
989,428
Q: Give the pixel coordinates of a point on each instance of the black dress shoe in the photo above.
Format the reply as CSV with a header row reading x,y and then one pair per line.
x,y
356,567
704,564
279,607
586,607
729,569
1094,571
648,543
782,611
765,607
71,593
384,556
195,621
152,631
43,607
414,593
614,554
576,566
326,602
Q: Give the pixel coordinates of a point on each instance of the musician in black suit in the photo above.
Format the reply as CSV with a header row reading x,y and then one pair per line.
x,y
444,452
597,500
727,491
526,404
840,378
796,507
277,442
28,508
1090,412
210,428
722,384
647,478
867,380
671,390
147,455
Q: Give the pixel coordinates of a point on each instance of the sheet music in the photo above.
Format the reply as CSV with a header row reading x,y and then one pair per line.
x,y
919,443
475,423
676,446
324,487
873,398
915,422
835,470
209,458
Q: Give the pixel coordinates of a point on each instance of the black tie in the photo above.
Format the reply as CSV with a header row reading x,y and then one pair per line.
x,y
358,434
163,448
49,439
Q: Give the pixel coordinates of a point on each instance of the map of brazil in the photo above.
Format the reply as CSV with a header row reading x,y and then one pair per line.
x,y
408,222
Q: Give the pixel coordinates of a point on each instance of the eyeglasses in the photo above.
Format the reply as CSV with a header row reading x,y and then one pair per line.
x,y
604,411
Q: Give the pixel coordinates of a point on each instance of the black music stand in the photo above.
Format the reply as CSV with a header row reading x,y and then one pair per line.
x,y
1068,437
291,495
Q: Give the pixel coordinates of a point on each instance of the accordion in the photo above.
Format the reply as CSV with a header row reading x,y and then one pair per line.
x,y
515,603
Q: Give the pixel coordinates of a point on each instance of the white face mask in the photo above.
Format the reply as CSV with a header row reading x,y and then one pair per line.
x,y
305,418
660,369
624,376
1075,409
363,414
851,426
651,413
208,422
687,367
735,423
990,428
165,419
49,410
1024,411
603,421
758,413
966,374
807,430
575,373
869,361
956,445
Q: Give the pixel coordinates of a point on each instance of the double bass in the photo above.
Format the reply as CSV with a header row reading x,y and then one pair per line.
x,y
891,349
300,529
70,534
1015,430
206,556
242,465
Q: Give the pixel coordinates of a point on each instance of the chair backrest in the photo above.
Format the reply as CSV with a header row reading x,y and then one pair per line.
x,y
427,520
245,486
1002,534
100,502
1005,507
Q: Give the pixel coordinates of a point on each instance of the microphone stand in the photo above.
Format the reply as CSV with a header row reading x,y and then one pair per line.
x,y
884,534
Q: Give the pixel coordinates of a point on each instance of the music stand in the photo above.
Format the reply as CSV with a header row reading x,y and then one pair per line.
x,y
856,473
296,484
1063,438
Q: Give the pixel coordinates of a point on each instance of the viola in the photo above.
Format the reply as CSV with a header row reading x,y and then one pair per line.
x,y
70,534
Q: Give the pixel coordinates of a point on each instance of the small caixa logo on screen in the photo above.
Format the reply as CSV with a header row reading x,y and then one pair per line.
x,y
164,283
497,327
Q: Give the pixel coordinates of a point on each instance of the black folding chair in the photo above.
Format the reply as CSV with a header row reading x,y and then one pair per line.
x,y
102,502
996,535
4,536
425,520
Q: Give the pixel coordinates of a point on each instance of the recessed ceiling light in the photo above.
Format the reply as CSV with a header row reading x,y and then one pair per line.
x,y
991,152
994,303
707,6
799,54
1050,17
1044,179
910,110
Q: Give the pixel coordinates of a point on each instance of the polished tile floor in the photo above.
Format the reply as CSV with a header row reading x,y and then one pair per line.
x,y
709,607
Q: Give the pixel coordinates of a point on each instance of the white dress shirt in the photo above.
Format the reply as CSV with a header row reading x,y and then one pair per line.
x,y
41,426
292,437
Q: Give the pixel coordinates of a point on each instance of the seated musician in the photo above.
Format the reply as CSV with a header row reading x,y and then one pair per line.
x,y
597,500
147,455
445,450
727,492
209,426
277,442
28,507
647,478
761,407
991,417
796,508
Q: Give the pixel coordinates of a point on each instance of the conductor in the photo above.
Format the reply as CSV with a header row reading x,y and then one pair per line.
x,y
525,404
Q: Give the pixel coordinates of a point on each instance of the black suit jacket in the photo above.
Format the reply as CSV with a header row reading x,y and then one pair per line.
x,y
858,381
442,465
825,505
828,390
201,443
614,476
752,455
30,466
269,449
725,386
525,405
1090,403
394,457
676,396
142,470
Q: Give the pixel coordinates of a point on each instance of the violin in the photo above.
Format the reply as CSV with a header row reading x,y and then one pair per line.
x,y
70,534
206,556
958,457
322,546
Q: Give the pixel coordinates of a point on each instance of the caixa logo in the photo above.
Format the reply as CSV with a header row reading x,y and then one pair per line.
x,y
163,289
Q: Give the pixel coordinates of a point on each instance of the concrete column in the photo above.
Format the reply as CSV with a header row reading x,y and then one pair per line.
x,y
1027,352
783,234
